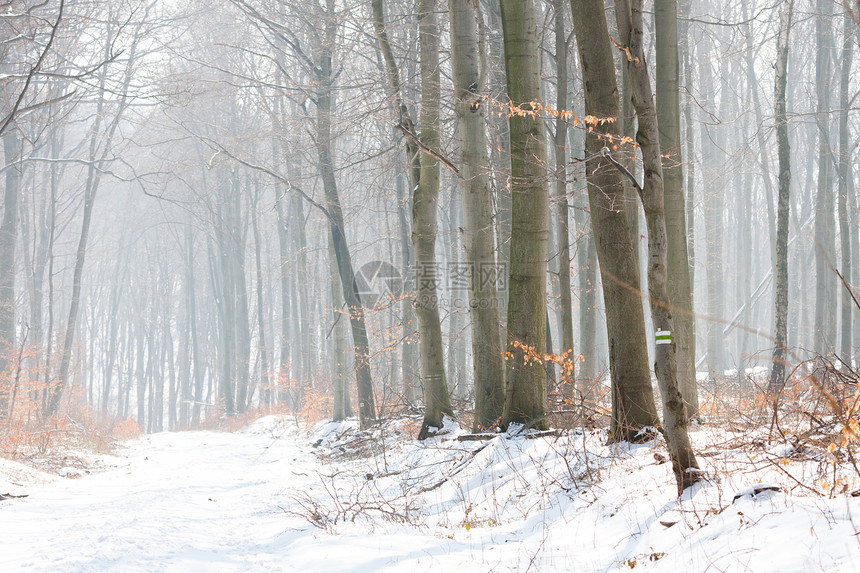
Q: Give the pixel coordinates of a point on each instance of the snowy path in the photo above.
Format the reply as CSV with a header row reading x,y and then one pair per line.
x,y
184,502
198,502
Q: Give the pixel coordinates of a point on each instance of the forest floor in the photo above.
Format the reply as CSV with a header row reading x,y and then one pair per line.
x,y
272,497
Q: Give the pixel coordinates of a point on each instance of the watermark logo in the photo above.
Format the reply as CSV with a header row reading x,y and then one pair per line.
x,y
378,283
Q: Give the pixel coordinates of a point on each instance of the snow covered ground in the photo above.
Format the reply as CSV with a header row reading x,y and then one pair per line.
x,y
271,498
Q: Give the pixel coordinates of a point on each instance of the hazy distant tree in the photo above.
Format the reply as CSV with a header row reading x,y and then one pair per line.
x,y
317,58
825,280
846,179
777,375
26,39
108,116
560,198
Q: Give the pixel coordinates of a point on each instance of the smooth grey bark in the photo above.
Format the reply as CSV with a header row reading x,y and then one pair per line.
x,y
825,279
325,80
633,406
340,377
437,403
561,202
690,142
777,374
262,348
630,30
8,244
408,371
411,382
669,118
525,380
713,158
500,150
845,177
477,230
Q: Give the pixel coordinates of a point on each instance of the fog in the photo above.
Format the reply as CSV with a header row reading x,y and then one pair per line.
x,y
167,249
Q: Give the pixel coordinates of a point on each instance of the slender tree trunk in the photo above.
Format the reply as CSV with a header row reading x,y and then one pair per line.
x,y
633,406
487,362
285,267
845,176
407,311
630,30
325,80
338,329
780,313
404,118
191,309
669,119
262,348
8,242
561,203
713,160
424,208
825,280
690,140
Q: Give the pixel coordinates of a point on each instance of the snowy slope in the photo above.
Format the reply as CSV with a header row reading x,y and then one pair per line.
x,y
270,498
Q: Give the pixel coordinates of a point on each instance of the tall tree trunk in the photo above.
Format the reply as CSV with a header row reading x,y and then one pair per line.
x,y
825,280
690,141
713,161
525,391
630,30
325,80
633,406
285,267
780,313
669,119
407,310
8,241
488,365
845,176
561,203
404,119
262,348
340,378
437,403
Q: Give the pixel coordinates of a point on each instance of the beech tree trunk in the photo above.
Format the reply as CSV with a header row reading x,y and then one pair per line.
x,y
633,406
780,313
630,30
845,177
425,200
825,279
525,392
325,80
669,119
477,230
561,203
